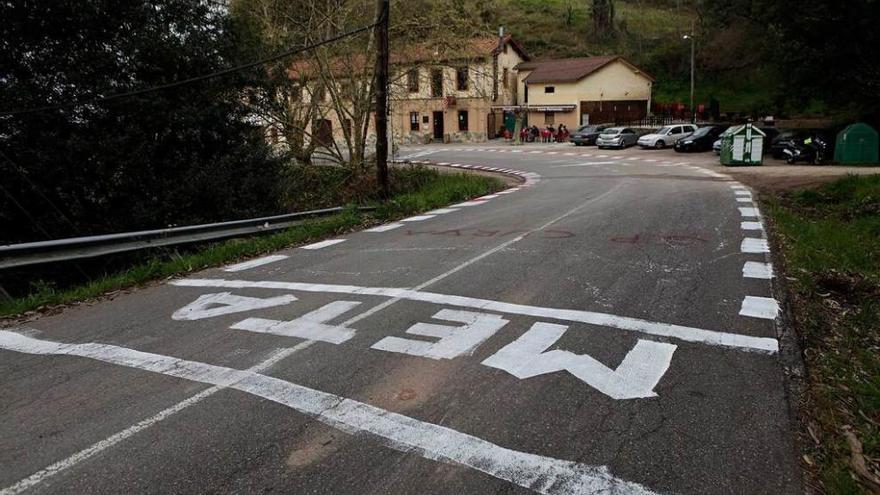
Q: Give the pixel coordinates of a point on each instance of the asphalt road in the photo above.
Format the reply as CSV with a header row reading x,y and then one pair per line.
x,y
592,331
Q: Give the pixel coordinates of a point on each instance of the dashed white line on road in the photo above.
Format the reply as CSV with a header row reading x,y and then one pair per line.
x,y
754,245
470,203
441,211
322,244
749,212
744,199
403,433
247,265
385,228
760,307
754,269
418,218
585,164
751,226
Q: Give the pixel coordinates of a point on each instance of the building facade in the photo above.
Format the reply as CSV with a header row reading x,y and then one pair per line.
x,y
473,93
578,91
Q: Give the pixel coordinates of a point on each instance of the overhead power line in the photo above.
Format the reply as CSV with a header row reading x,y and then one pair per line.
x,y
191,80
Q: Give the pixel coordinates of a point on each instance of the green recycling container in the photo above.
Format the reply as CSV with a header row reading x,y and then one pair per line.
x,y
856,144
742,145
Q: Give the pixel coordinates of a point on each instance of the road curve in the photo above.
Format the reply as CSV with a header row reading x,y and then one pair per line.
x,y
608,326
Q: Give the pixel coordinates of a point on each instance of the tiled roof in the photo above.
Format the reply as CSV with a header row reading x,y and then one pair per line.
x,y
569,69
475,48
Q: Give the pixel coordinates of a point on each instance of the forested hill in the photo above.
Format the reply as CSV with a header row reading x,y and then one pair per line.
x,y
794,57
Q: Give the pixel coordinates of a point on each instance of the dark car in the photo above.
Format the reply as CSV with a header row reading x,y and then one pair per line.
x,y
701,139
586,135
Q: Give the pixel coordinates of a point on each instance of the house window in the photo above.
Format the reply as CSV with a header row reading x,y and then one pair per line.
x,y
525,93
549,89
461,78
414,121
436,83
412,80
504,49
549,118
505,81
462,120
426,119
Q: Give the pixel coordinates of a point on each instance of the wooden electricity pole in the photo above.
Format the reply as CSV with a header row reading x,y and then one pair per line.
x,y
382,56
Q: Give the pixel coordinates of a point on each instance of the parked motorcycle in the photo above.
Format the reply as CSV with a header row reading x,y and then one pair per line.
x,y
813,151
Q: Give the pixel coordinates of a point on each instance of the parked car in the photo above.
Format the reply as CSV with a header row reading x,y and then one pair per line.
x,y
666,136
716,146
617,137
586,135
701,140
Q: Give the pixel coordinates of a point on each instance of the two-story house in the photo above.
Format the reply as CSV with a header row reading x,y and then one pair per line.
x,y
576,91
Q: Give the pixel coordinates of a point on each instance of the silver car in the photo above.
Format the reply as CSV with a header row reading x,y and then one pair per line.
x,y
617,137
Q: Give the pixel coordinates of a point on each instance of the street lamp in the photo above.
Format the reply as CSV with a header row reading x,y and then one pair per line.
x,y
691,37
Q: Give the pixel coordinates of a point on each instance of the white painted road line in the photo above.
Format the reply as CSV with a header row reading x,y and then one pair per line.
x,y
247,265
586,164
688,334
441,211
489,196
470,203
754,269
751,226
385,228
744,199
418,218
98,447
754,245
403,433
760,307
742,192
323,244
749,212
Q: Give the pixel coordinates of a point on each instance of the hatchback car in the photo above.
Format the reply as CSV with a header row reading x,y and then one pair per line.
x,y
586,135
617,137
666,136
701,140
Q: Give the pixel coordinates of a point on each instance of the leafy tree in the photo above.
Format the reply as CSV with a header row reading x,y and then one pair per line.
x,y
181,155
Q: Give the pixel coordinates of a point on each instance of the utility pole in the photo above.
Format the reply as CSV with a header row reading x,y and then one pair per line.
x,y
693,50
382,56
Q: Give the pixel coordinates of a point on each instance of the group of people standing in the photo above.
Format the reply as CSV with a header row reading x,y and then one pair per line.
x,y
534,134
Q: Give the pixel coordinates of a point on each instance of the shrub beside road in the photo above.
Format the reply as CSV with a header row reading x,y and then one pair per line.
x,y
829,241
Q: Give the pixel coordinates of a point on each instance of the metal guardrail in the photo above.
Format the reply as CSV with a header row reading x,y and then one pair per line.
x,y
36,253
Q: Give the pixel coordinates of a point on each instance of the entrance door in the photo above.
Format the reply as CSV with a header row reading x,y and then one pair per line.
x,y
491,129
323,132
438,126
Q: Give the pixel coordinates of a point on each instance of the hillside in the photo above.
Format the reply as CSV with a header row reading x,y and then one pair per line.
x,y
648,32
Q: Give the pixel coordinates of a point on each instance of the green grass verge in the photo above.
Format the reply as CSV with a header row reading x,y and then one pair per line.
x,y
431,190
830,241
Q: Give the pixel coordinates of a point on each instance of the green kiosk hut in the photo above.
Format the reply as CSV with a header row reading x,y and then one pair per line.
x,y
856,144
742,145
